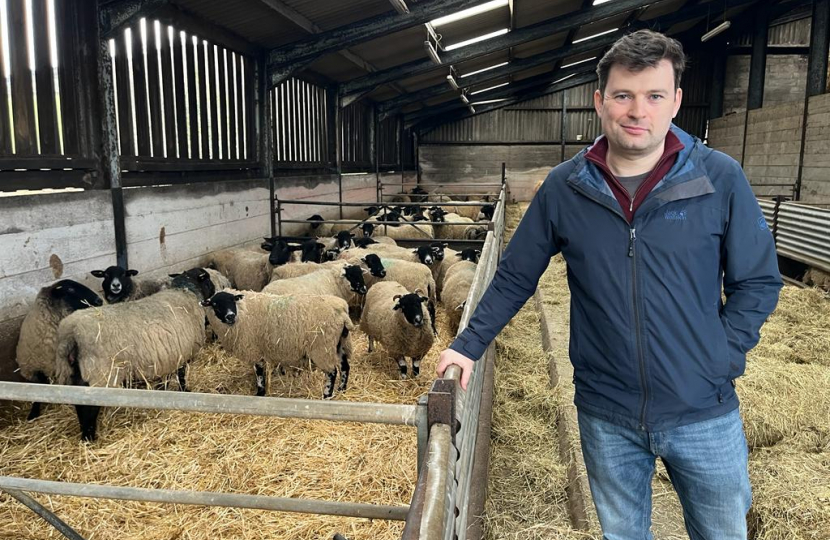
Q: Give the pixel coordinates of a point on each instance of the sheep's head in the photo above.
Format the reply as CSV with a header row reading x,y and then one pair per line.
x,y
486,212
196,280
118,282
425,255
469,254
438,250
280,250
354,275
411,305
368,229
73,295
436,213
224,306
312,251
316,220
363,242
344,239
375,265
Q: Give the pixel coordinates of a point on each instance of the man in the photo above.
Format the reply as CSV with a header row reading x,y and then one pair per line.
x,y
651,223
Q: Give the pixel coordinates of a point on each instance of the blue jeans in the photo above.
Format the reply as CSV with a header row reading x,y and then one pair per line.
x,y
707,464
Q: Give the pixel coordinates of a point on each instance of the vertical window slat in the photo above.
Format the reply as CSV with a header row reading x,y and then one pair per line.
x,y
46,90
154,91
168,88
123,98
142,119
204,97
21,80
181,101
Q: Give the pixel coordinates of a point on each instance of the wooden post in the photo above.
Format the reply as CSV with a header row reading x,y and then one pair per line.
x,y
819,45
110,167
263,136
758,60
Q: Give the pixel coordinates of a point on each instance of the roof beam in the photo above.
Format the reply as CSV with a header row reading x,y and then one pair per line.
x,y
555,55
516,66
300,20
511,39
660,23
573,82
119,15
364,30
507,91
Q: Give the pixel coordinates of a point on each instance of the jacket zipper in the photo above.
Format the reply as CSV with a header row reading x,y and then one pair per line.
x,y
632,239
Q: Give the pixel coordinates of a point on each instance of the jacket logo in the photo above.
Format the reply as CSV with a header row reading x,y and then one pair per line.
x,y
675,215
762,223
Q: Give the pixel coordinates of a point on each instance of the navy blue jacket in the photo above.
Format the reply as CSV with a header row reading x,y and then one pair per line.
x,y
652,345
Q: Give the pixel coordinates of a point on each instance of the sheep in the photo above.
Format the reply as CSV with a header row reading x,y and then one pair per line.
x,y
280,251
418,194
406,230
451,257
457,282
395,317
119,285
146,339
220,282
317,227
244,269
361,243
452,231
422,254
486,213
292,270
344,281
268,331
412,276
382,239
39,332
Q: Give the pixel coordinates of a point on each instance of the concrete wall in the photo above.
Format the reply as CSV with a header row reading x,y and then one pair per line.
x,y
526,165
773,146
727,134
785,81
45,237
815,179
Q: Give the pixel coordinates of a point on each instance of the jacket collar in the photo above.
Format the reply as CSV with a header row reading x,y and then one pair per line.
x,y
687,168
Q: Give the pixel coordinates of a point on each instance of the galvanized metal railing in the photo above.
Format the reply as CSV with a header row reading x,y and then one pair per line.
x,y
394,414
801,232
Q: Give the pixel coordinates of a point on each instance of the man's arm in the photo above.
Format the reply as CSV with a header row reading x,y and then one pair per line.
x,y
523,263
751,279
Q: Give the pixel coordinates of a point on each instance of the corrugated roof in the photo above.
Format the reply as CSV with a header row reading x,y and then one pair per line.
x,y
261,23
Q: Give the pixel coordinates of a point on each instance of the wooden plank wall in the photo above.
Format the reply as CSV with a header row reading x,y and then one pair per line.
x,y
194,108
459,163
727,134
773,146
815,186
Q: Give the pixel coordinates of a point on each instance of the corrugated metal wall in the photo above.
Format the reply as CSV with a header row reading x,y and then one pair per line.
x,y
791,33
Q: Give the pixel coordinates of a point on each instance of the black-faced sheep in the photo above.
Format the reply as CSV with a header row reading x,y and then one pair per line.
x,y
119,285
422,254
146,339
39,332
412,276
395,317
344,281
267,331
457,282
280,251
245,269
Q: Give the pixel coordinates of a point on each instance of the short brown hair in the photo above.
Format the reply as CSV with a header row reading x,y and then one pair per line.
x,y
640,50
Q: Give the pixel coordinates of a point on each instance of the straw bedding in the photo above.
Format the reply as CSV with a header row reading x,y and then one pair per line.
x,y
233,454
526,490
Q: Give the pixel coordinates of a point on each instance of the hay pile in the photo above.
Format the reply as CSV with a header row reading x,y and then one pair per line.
x,y
792,489
232,454
526,490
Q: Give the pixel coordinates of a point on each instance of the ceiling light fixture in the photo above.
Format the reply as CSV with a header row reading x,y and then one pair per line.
x,y
722,27
484,37
471,12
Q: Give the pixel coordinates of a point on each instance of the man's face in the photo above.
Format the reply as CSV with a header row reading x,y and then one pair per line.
x,y
637,108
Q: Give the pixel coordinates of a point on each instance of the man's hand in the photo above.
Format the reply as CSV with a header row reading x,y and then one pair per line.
x,y
449,357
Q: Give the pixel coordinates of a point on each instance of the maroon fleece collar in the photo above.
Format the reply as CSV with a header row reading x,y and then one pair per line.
x,y
597,155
